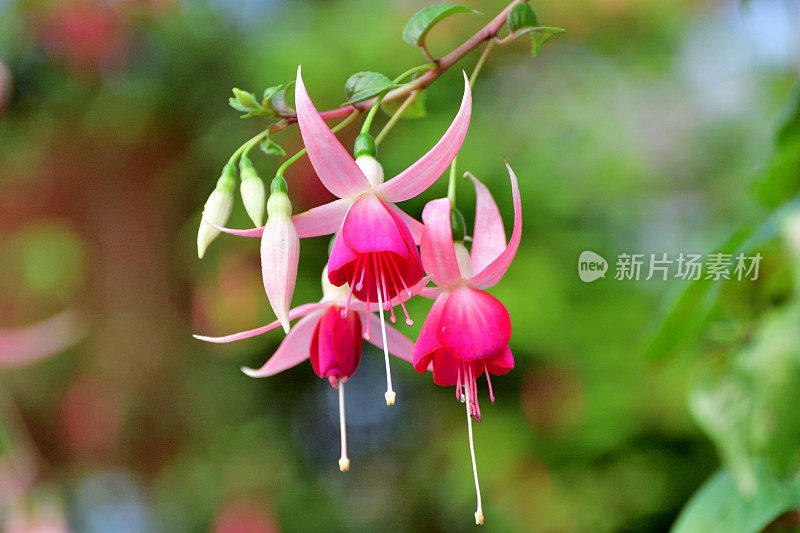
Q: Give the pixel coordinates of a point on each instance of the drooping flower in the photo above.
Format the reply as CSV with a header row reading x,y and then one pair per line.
x,y
331,340
466,332
280,252
374,250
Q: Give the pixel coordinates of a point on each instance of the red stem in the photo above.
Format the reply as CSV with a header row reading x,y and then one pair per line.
x,y
484,34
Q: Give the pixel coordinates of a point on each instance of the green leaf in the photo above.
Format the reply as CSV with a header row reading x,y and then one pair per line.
x,y
246,102
719,507
685,316
423,20
781,178
275,98
415,110
540,35
269,147
364,85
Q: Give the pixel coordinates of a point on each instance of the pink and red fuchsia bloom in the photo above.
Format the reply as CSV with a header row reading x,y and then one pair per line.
x,y
374,250
330,340
467,330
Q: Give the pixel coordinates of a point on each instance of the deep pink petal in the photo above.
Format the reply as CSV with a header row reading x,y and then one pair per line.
x,y
370,226
445,368
493,272
414,226
298,311
335,348
427,169
280,252
331,161
427,342
436,245
474,324
501,363
322,220
293,350
398,344
488,236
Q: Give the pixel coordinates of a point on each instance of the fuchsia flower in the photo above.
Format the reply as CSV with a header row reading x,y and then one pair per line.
x,y
374,250
330,339
467,330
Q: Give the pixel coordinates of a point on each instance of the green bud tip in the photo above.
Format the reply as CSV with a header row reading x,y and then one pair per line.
x,y
458,225
227,180
521,16
245,165
278,185
365,145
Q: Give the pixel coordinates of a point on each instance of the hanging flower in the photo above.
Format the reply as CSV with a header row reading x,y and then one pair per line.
x,y
331,340
467,331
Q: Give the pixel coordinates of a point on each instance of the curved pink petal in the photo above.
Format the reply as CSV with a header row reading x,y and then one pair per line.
x,y
501,363
293,350
335,168
445,368
474,324
298,311
280,252
398,344
438,254
252,232
414,226
430,292
493,272
21,346
488,236
322,220
427,341
427,169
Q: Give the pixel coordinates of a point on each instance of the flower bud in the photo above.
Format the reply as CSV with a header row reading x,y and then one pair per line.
x,y
365,145
217,209
521,16
371,169
252,191
280,252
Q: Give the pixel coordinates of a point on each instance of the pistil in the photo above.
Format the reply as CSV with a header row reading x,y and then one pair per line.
x,y
479,509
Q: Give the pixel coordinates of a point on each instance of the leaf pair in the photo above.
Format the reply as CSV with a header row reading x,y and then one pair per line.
x,y
272,104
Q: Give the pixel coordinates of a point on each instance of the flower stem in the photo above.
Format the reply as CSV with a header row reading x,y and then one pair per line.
x,y
451,185
396,116
286,164
344,461
479,509
487,33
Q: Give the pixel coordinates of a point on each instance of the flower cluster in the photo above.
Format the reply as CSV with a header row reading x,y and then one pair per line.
x,y
381,257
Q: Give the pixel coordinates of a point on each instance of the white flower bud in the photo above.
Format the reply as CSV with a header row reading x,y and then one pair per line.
x,y
216,210
279,206
252,191
280,251
463,259
371,169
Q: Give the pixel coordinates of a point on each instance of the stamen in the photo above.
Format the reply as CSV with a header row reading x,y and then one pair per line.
x,y
344,462
350,293
392,272
479,510
390,394
400,276
489,381
366,334
459,393
360,284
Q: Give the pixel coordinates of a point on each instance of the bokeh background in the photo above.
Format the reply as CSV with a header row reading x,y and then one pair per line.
x,y
644,128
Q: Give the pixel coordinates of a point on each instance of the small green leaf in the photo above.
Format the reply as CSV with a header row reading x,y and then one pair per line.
x,y
269,147
364,85
246,102
423,20
719,507
415,110
540,35
521,16
276,100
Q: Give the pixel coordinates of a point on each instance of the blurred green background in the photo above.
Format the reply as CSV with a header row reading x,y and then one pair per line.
x,y
642,129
